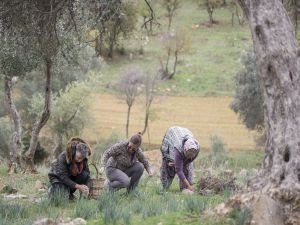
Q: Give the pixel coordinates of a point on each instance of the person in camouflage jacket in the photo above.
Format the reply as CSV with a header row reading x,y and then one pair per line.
x,y
124,163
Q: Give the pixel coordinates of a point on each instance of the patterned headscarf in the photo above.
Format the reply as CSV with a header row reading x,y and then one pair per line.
x,y
191,144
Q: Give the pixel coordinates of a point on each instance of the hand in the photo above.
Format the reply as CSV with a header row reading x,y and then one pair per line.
x,y
190,187
171,164
82,188
102,170
150,173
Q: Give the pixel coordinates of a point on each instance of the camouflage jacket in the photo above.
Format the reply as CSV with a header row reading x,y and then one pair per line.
x,y
119,157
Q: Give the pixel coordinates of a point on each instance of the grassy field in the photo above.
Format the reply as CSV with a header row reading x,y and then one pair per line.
x,y
209,65
204,116
148,205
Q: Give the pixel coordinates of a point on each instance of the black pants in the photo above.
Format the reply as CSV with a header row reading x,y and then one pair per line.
x,y
59,189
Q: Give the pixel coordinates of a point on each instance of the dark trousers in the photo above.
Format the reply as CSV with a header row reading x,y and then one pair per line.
x,y
59,189
124,179
168,173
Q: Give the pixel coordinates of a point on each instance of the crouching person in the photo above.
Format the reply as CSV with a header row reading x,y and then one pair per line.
x,y
124,164
179,149
70,172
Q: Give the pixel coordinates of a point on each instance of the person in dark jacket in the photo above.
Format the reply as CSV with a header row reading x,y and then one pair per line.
x,y
70,171
124,164
179,149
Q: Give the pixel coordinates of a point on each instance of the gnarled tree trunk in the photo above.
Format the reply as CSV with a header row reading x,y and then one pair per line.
x,y
40,122
16,147
278,58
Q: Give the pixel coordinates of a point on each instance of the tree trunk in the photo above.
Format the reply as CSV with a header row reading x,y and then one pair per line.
x,y
40,123
278,59
128,120
149,140
166,69
171,75
59,147
210,14
170,18
146,121
16,148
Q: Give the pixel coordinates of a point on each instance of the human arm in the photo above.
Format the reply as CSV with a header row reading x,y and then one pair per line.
x,y
142,159
178,164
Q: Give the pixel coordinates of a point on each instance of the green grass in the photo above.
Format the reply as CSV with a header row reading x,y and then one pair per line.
x,y
148,205
209,65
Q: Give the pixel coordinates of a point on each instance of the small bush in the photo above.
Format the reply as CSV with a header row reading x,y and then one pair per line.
x,y
60,198
111,214
125,214
152,208
218,153
11,211
108,203
86,209
172,204
240,216
195,205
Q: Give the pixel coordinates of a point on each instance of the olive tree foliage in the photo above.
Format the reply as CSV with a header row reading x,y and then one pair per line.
x,y
71,88
35,33
116,20
129,86
248,100
69,114
173,44
18,56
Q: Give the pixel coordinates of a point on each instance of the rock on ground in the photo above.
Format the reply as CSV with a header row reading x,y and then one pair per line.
x,y
66,221
267,211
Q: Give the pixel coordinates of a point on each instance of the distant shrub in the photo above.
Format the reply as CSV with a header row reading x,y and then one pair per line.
x,y
249,98
218,152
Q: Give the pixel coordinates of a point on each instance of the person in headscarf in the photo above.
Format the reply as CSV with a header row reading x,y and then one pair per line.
x,y
70,171
124,164
179,149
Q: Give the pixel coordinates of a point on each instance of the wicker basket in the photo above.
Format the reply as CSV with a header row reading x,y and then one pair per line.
x,y
96,184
